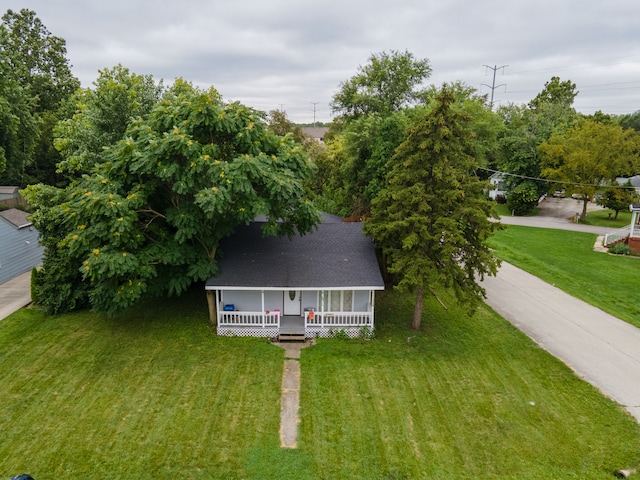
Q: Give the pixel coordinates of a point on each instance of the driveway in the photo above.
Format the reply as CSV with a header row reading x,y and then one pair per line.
x,y
15,294
600,348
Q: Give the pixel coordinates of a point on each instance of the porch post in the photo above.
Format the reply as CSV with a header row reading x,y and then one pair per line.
x,y
264,312
373,300
212,297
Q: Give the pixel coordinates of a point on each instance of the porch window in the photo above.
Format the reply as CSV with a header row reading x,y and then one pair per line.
x,y
336,300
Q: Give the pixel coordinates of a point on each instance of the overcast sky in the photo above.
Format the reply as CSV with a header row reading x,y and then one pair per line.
x,y
292,55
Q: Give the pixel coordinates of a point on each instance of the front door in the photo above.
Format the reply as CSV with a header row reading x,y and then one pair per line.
x,y
291,302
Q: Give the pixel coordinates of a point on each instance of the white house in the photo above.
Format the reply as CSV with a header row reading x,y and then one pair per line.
x,y
19,247
314,285
499,184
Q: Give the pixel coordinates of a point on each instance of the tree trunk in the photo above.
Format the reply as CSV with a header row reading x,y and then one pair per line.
x,y
583,216
417,311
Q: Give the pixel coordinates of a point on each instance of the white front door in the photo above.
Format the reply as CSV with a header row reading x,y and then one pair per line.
x,y
291,302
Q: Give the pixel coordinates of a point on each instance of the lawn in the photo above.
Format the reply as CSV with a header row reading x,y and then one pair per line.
x,y
154,394
567,260
606,218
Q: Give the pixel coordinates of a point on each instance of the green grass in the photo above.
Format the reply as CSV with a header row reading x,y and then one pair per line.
x,y
605,218
567,260
154,394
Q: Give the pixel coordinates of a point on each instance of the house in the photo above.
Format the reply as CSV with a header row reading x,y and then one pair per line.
x,y
498,182
629,235
314,285
317,133
10,196
19,247
634,229
635,181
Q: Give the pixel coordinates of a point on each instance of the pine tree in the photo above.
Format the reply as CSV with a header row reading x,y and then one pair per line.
x,y
432,219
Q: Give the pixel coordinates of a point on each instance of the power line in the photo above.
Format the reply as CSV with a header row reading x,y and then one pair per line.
x,y
553,181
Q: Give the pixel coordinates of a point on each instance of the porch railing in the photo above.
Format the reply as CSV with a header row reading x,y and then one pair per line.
x,y
249,319
338,319
616,235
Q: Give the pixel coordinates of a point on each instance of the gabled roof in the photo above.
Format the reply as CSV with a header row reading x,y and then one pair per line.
x,y
336,255
16,217
9,190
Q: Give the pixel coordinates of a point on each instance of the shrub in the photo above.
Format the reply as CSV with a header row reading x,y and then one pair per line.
x,y
620,249
523,198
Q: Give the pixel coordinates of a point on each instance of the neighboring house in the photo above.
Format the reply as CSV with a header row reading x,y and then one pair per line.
x,y
10,196
499,183
316,285
634,229
19,247
316,132
635,181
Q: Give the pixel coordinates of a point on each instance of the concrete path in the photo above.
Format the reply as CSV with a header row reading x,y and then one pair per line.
x,y
15,294
600,348
290,394
554,222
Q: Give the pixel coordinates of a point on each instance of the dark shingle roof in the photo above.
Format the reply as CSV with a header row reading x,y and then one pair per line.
x,y
336,255
16,217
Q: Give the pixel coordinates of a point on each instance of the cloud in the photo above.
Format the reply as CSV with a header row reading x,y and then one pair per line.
x,y
293,55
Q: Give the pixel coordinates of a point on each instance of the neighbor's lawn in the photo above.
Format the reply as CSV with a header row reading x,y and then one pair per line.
x,y
567,260
155,394
605,218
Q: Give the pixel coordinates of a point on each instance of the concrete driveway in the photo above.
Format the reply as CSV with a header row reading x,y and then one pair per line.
x,y
600,348
15,294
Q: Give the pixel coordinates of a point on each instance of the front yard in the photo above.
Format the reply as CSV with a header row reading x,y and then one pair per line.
x,y
155,394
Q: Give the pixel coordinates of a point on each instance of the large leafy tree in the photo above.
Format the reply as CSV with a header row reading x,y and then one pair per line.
x,y
35,60
148,220
101,117
38,60
371,123
619,197
525,128
18,127
432,220
590,156
389,82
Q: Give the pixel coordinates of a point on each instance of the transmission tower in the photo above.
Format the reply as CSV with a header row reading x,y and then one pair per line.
x,y
493,85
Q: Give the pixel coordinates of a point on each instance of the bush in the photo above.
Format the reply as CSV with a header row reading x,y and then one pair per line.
x,y
620,249
523,198
501,199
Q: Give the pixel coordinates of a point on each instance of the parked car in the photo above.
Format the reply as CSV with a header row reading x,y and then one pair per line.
x,y
558,194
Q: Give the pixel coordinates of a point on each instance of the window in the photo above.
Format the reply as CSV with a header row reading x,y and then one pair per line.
x,y
336,300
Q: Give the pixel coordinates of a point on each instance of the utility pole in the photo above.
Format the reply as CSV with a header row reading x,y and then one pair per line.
x,y
493,85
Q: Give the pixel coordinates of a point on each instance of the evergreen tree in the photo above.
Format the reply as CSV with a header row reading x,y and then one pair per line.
x,y
432,219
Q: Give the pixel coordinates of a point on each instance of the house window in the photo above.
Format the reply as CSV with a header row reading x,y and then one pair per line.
x,y
336,300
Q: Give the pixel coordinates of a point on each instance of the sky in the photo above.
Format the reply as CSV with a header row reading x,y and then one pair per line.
x,y
293,55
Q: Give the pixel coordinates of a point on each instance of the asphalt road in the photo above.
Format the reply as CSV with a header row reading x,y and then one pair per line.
x,y
600,348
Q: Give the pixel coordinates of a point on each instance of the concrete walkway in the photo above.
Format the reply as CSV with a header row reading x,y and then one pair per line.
x,y
15,294
600,348
290,402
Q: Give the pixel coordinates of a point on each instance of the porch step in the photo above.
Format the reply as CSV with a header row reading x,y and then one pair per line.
x,y
291,337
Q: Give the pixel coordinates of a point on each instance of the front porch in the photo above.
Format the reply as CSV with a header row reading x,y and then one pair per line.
x,y
629,235
311,324
309,313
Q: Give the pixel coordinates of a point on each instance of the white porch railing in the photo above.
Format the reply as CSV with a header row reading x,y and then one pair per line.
x,y
249,319
611,238
338,319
